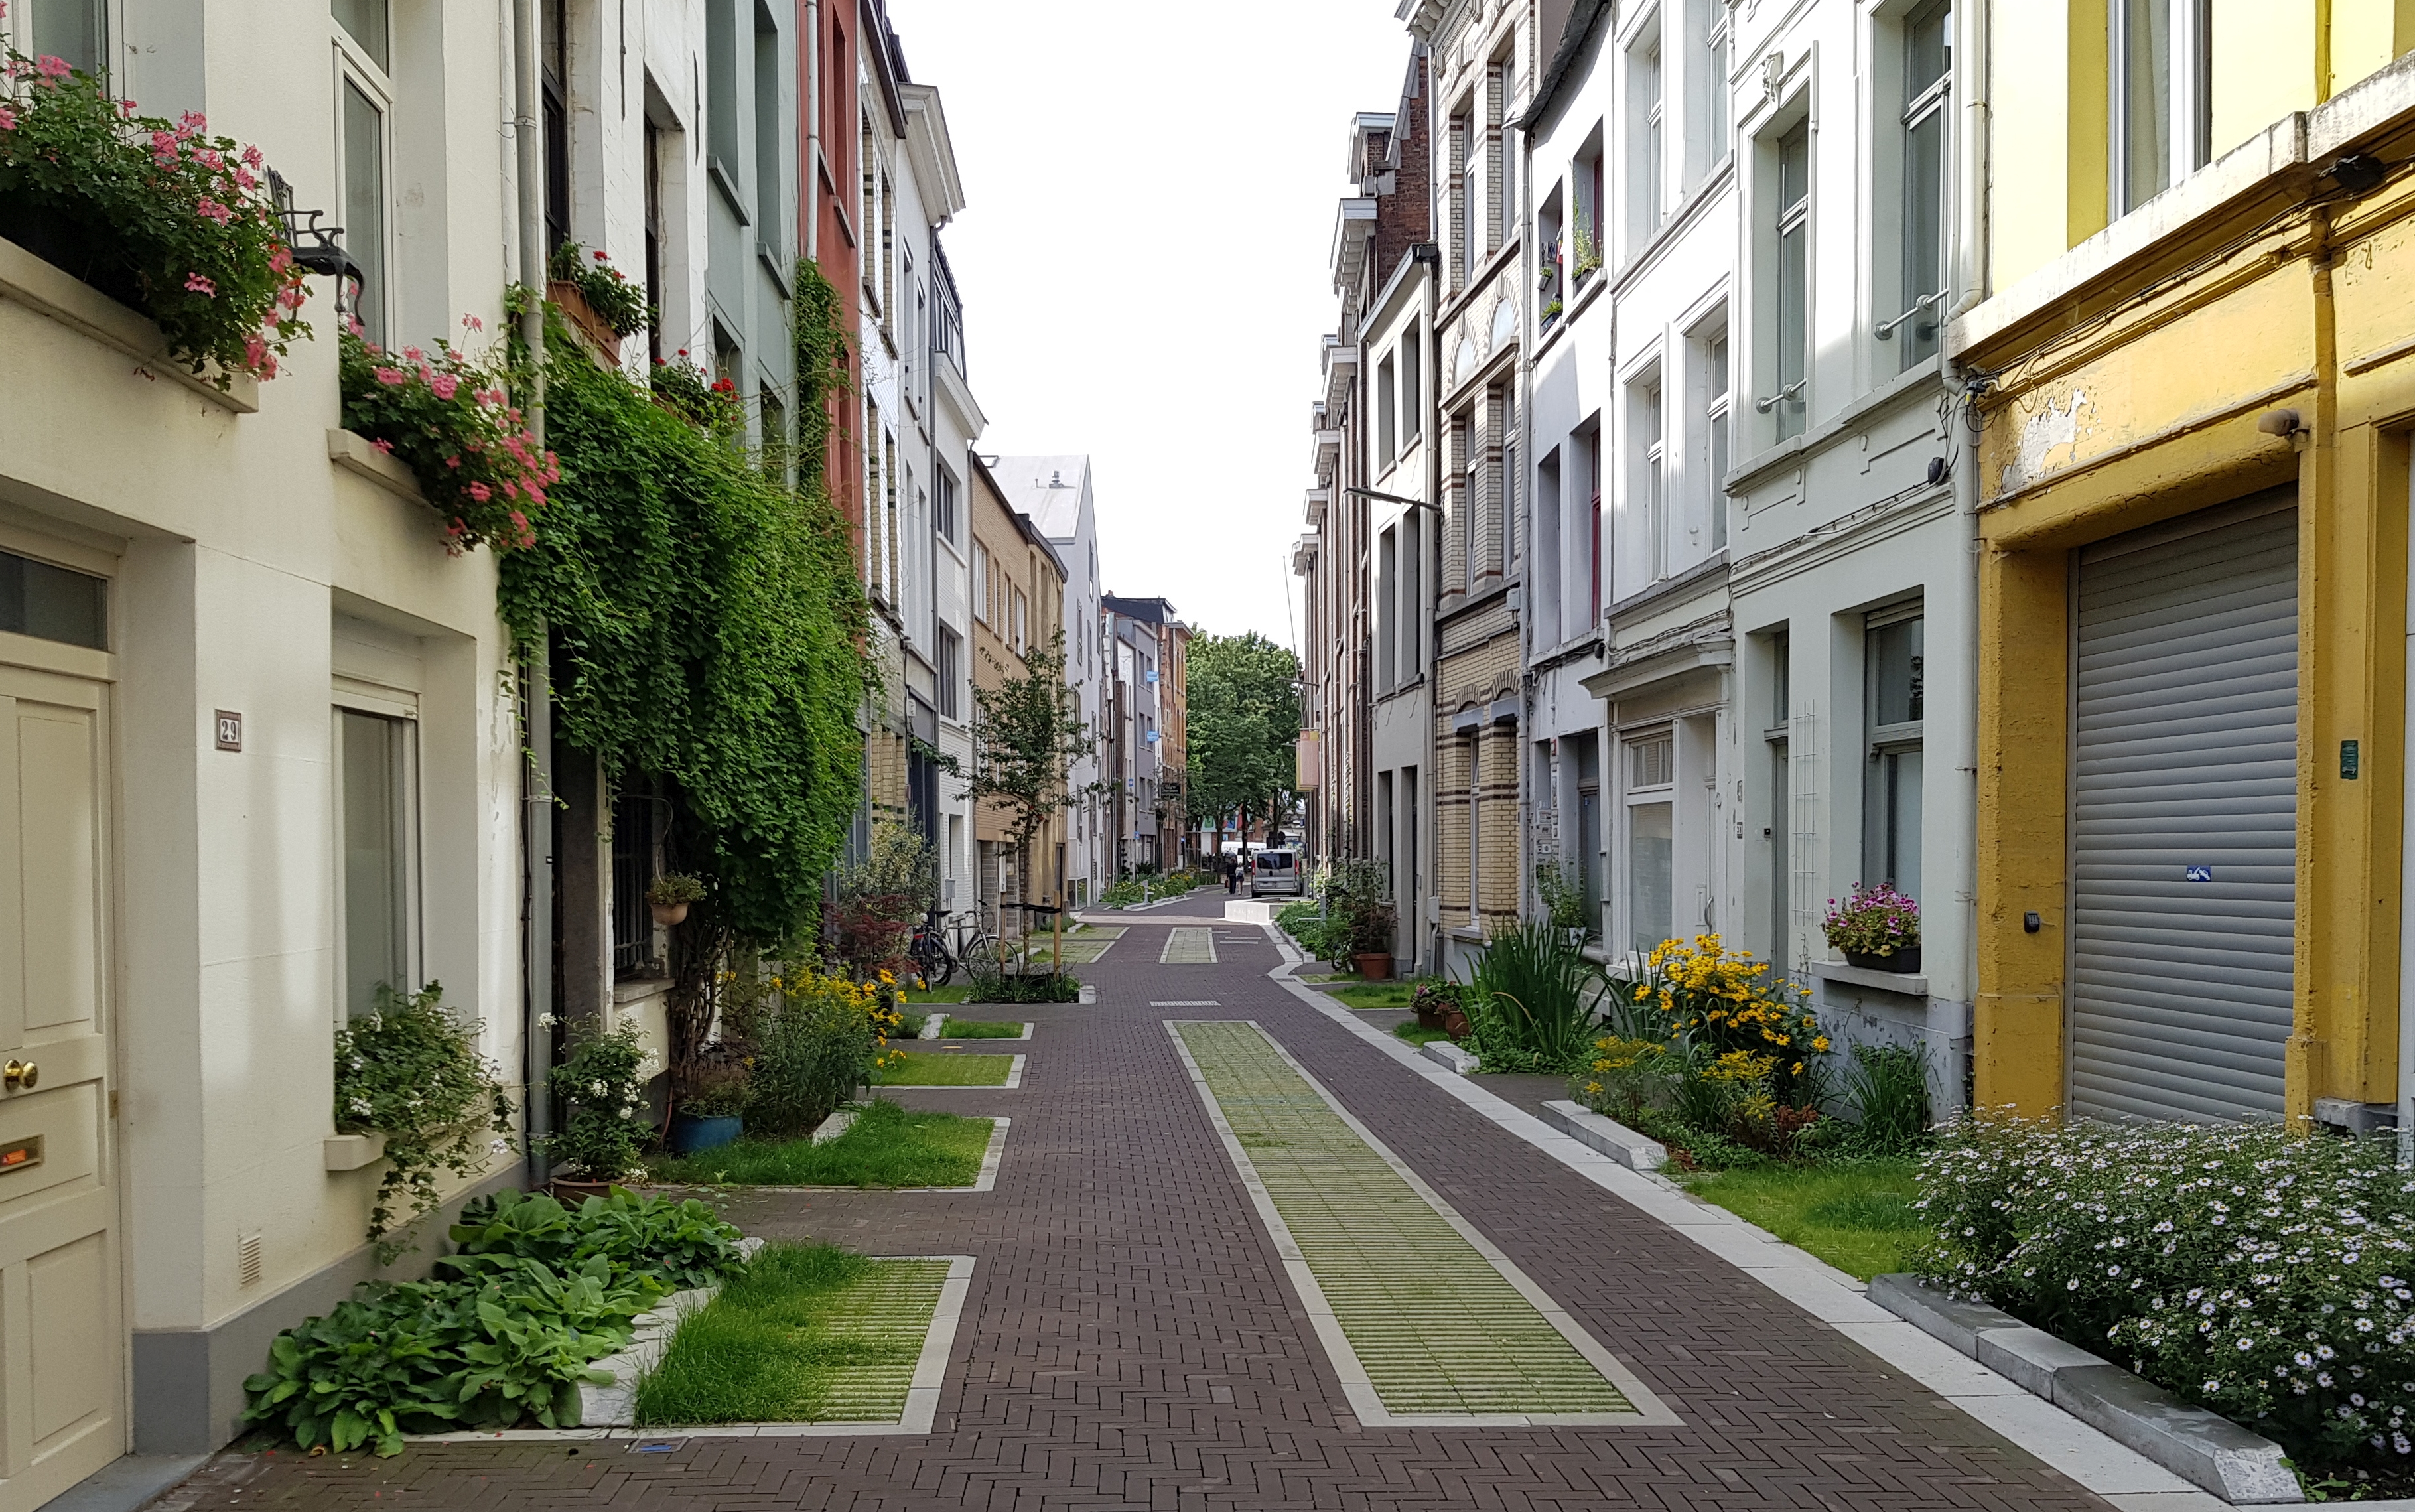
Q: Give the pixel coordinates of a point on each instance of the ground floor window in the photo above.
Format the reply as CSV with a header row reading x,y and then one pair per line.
x,y
377,819
1651,839
1896,653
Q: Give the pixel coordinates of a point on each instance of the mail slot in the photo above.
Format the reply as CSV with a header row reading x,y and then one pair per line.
x,y
20,1154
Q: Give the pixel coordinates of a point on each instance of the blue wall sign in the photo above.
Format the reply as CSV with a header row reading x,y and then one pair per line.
x,y
2200,873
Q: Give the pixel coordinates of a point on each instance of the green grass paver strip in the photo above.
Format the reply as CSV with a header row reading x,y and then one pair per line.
x,y
950,1068
868,1357
1426,1320
886,1148
1186,947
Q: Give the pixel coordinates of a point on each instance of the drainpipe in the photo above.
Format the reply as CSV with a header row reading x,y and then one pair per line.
x,y
1971,278
536,827
809,177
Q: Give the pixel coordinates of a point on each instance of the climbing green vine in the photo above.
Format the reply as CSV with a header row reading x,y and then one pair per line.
x,y
706,627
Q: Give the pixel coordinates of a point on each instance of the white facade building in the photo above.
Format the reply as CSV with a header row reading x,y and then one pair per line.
x,y
1055,492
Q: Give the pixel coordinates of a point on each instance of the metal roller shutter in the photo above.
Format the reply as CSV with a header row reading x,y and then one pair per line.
x,y
2184,811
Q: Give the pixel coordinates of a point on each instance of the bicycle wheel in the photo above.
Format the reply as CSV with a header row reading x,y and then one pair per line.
x,y
980,953
938,967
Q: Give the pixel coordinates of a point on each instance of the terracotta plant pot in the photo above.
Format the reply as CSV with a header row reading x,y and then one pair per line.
x,y
1453,1021
1905,961
667,914
601,337
1373,965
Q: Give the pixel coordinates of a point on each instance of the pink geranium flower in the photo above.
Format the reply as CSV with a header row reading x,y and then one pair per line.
x,y
446,385
480,492
197,284
210,209
393,377
50,67
7,119
384,445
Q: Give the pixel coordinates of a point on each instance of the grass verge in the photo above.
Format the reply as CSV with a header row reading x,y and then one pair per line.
x,y
1855,1215
938,994
887,1146
1417,1034
956,1028
940,1068
808,1334
1376,995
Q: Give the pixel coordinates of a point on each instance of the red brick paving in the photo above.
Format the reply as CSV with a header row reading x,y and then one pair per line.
x,y
1131,1341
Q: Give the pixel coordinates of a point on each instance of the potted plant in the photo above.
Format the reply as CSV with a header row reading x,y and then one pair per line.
x,y
1441,1005
1371,929
598,298
1878,928
712,1113
669,895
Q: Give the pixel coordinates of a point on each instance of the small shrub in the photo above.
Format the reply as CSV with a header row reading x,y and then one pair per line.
x,y
538,1292
672,887
1713,998
682,1244
1563,904
814,1042
1531,1001
1888,1085
2267,1277
602,1085
411,1072
1026,987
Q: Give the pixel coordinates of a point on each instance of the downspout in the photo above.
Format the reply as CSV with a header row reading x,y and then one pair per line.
x,y
809,179
1970,280
536,827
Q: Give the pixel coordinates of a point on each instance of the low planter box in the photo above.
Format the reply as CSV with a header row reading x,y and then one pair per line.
x,y
2207,1449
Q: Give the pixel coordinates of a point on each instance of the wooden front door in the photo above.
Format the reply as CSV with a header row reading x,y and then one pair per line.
x,y
62,1330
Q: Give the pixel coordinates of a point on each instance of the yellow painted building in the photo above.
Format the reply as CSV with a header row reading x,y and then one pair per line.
x,y
2193,384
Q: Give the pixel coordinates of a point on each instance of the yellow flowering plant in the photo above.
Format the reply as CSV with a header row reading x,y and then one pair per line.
x,y
1721,1001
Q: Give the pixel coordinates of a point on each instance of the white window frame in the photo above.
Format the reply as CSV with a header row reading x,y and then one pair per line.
x,y
401,709
2186,91
17,30
353,66
1882,741
1931,103
1635,793
1788,403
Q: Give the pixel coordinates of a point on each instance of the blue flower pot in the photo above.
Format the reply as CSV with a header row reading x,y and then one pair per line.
x,y
690,1134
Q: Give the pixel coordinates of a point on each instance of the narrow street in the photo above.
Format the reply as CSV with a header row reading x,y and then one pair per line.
x,y
1132,1340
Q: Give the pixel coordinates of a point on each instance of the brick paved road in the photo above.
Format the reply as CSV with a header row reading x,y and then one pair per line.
x,y
1130,1340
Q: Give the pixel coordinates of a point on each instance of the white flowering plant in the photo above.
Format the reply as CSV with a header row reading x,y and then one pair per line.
x,y
2262,1275
412,1071
602,1085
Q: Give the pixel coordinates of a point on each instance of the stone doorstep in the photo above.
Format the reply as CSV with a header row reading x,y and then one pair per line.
x,y
2235,1464
932,1023
1449,1055
1611,1138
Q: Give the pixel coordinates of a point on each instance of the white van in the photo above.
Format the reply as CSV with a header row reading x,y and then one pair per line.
x,y
1274,871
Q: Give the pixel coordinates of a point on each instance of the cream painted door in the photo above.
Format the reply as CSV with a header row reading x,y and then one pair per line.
x,y
62,1336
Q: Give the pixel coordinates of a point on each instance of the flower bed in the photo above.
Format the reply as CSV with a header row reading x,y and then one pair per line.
x,y
2263,1276
155,213
505,1335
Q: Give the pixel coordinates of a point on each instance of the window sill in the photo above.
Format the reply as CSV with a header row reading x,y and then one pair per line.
x,y
775,263
1755,470
723,180
27,280
352,453
1905,982
1675,223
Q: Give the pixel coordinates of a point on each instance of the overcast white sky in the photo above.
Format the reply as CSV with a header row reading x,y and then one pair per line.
x,y
1151,193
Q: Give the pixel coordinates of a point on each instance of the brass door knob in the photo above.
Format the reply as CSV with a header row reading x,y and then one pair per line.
x,y
20,1074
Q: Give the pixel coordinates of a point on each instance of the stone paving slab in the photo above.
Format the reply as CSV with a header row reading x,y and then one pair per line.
x,y
1131,1338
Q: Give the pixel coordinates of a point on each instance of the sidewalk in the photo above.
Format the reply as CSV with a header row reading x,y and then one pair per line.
x,y
1132,1340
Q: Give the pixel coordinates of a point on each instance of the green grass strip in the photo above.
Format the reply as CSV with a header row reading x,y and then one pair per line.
x,y
1416,1033
1438,1327
809,1334
942,1068
1376,995
1857,1215
956,1028
887,1146
957,993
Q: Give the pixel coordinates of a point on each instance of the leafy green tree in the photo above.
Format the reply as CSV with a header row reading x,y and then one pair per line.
x,y
1027,733
1244,728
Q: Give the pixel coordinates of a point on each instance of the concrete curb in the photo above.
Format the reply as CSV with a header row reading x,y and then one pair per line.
x,y
1613,1138
1449,1055
2241,1467
839,1122
933,1023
